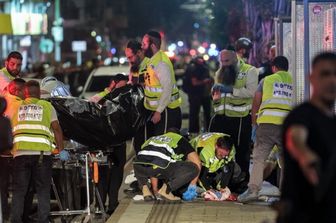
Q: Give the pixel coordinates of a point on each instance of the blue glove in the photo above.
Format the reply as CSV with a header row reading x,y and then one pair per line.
x,y
64,155
222,88
190,194
254,133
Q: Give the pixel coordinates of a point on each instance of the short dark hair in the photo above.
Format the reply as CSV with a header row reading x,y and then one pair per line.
x,y
14,54
32,89
280,62
134,45
14,83
32,83
18,81
155,38
224,142
324,56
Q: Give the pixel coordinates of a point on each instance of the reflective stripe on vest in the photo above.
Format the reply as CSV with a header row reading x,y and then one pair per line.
x,y
169,149
156,89
239,109
29,139
233,106
275,113
32,126
156,154
155,103
277,98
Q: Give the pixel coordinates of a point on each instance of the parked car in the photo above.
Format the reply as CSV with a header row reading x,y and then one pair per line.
x,y
100,78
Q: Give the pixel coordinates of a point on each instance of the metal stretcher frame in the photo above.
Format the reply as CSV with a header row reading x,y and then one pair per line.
x,y
87,210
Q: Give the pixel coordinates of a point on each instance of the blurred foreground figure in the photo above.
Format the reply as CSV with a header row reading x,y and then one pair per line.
x,y
6,143
308,191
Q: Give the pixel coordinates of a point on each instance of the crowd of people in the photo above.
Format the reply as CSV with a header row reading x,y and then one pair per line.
x,y
170,166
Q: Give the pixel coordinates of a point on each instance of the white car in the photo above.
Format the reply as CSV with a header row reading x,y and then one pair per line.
x,y
100,78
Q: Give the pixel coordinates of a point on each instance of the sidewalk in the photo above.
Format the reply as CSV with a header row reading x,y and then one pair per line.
x,y
130,211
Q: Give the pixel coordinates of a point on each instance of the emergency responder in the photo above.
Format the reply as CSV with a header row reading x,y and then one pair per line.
x,y
272,102
232,99
14,96
243,47
35,125
167,157
11,70
138,68
162,96
308,191
111,175
219,169
137,61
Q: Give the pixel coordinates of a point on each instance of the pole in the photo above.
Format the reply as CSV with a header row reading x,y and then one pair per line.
x,y
79,58
306,51
57,23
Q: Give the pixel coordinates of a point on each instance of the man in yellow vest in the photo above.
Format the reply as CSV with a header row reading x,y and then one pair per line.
x,y
219,169
232,102
35,125
14,96
243,48
137,61
272,102
165,157
138,68
162,97
11,70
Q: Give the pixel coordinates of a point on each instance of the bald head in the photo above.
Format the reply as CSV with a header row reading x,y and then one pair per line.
x,y
32,89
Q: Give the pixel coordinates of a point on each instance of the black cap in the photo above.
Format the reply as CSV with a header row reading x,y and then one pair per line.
x,y
243,43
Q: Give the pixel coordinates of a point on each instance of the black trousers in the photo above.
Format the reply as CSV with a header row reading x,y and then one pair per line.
x,y
195,103
5,175
176,175
111,176
31,169
240,131
170,118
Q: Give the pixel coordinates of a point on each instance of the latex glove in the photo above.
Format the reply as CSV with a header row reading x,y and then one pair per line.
x,y
254,133
64,155
190,194
217,87
222,88
227,89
